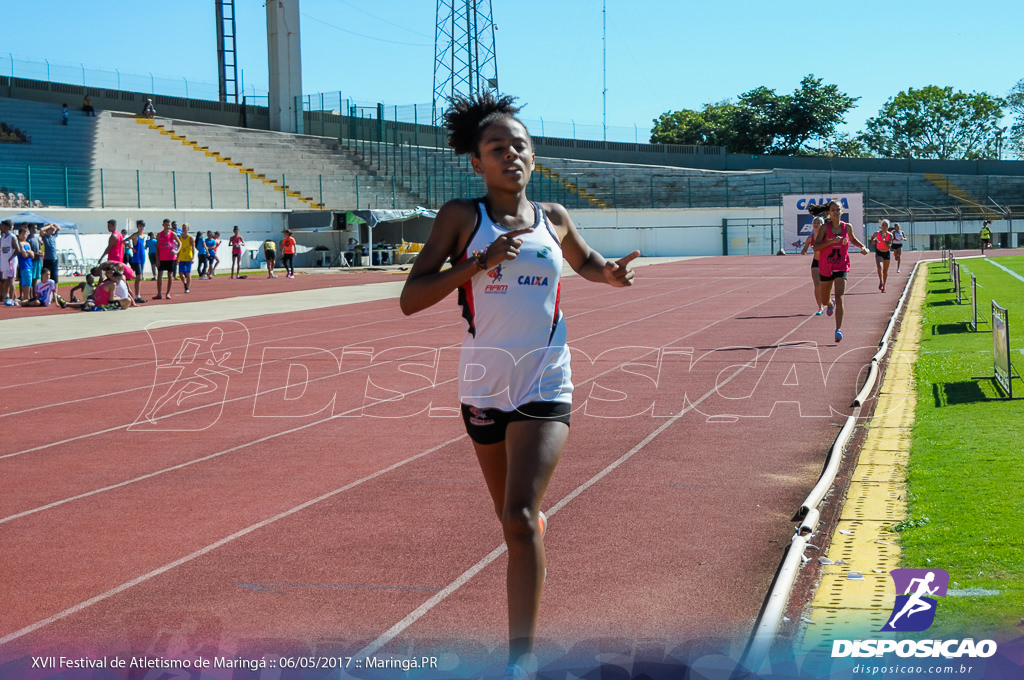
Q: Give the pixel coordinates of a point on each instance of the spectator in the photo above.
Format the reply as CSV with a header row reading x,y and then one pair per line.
x,y
237,243
87,106
212,243
64,114
270,255
201,254
46,292
25,256
105,294
36,244
140,251
8,262
186,252
87,287
167,245
151,252
149,111
115,244
288,253
49,236
352,251
121,294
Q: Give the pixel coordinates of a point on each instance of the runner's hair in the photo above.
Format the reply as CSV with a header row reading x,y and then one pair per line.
x,y
467,118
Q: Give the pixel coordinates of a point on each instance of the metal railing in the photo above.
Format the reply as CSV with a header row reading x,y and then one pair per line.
x,y
403,175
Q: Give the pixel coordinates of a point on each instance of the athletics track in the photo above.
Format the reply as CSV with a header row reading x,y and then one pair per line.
x,y
242,480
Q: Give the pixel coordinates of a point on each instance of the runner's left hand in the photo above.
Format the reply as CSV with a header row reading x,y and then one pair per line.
x,y
619,273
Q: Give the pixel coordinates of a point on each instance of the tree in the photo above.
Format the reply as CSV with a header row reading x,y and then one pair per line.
x,y
1014,141
812,114
711,126
936,122
842,145
761,122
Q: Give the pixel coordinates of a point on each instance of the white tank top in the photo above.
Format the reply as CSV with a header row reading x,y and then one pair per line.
x,y
515,349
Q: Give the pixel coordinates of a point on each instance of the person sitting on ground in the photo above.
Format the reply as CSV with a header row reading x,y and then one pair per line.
x,y
149,111
105,295
86,287
46,292
87,106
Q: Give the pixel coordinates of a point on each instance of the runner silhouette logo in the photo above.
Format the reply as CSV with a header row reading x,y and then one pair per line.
x,y
916,590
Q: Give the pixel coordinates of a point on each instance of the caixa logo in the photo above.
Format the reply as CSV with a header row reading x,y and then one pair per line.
x,y
914,611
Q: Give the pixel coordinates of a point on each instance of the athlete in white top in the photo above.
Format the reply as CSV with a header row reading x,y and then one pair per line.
x,y
514,326
506,254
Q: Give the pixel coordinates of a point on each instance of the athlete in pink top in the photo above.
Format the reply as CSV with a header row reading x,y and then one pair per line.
x,y
167,245
833,247
883,249
115,244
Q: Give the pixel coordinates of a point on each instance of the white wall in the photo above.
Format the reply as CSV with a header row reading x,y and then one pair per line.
x,y
656,233
661,233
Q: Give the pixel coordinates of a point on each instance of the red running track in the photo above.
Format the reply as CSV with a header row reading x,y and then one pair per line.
x,y
299,484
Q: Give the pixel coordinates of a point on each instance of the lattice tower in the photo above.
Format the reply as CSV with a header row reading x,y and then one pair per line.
x,y
464,58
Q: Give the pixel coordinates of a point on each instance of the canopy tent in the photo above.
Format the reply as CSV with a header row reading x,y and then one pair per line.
x,y
65,226
36,218
394,226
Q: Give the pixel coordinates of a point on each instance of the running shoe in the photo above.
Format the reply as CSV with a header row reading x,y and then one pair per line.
x,y
883,289
839,335
158,297
819,312
830,310
542,520
9,302
514,672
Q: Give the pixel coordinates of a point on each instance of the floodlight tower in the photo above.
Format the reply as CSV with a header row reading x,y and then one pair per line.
x,y
464,59
227,62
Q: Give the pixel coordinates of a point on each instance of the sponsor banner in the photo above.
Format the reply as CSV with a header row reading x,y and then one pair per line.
x,y
796,221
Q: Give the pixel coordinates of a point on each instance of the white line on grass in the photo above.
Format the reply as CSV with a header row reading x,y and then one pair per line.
x,y
1011,273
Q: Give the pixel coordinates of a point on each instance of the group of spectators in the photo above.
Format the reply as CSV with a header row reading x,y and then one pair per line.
x,y
12,135
28,256
171,254
28,261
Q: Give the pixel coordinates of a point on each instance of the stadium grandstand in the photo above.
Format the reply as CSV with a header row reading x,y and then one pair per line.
x,y
199,154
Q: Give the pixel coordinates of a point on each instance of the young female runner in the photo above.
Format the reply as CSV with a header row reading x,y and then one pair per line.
x,y
833,256
897,244
883,251
816,226
506,255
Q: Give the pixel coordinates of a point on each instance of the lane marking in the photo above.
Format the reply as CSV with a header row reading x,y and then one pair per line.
x,y
213,546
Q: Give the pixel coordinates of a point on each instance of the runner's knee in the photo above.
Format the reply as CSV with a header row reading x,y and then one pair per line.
x,y
519,524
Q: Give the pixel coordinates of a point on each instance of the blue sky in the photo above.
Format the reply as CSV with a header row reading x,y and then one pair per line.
x,y
661,55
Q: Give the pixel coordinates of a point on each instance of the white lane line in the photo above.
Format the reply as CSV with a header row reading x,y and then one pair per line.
x,y
213,546
443,594
465,577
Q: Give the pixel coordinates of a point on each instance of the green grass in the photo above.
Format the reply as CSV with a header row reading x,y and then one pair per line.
x,y
966,472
